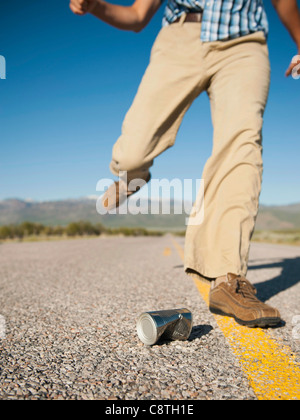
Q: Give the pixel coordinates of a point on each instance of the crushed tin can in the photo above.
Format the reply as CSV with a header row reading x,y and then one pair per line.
x,y
171,324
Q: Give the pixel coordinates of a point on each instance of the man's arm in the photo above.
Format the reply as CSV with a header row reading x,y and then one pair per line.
x,y
130,18
289,14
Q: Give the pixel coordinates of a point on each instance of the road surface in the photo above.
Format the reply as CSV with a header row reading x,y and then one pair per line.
x,y
68,313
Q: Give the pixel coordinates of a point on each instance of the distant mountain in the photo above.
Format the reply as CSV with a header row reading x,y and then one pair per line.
x,y
279,217
62,212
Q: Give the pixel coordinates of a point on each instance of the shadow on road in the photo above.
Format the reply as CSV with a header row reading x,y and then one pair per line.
x,y
290,276
199,331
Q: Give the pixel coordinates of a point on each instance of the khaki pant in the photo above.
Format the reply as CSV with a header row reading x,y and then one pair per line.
x,y
236,76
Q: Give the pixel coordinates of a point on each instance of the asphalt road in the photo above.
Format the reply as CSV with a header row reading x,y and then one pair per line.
x,y
68,313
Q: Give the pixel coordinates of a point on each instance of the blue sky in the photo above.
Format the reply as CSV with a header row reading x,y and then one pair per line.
x,y
70,81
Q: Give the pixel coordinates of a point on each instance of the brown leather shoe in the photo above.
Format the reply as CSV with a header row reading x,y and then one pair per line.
x,y
119,192
236,298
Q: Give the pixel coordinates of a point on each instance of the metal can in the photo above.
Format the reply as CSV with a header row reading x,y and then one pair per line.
x,y
171,324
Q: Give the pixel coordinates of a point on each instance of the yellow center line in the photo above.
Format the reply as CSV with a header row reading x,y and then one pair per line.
x,y
167,252
271,367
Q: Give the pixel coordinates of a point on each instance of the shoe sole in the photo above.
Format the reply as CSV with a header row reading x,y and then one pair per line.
x,y
260,322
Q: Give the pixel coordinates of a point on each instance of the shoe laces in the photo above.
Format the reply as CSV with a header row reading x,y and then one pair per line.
x,y
244,288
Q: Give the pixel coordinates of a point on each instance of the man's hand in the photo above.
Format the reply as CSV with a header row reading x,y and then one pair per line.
x,y
82,7
294,68
130,18
289,13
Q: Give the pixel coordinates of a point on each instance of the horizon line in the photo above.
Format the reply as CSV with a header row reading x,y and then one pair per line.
x,y
96,197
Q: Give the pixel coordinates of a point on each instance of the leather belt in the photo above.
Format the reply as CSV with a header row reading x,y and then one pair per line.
x,y
191,17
